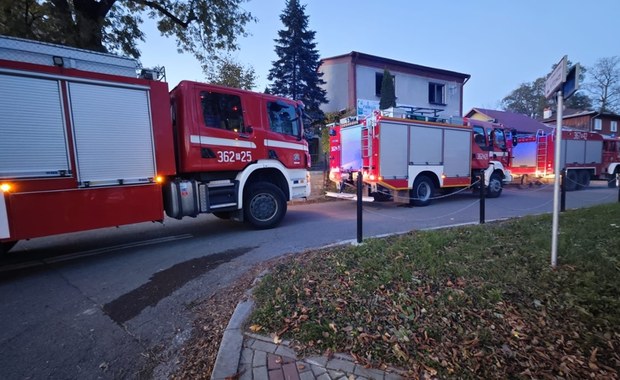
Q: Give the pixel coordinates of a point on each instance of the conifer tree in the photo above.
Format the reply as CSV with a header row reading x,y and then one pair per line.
x,y
388,92
295,74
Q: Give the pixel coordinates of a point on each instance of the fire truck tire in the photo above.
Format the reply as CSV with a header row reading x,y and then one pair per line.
x,y
422,192
494,189
584,179
264,205
572,180
6,247
611,183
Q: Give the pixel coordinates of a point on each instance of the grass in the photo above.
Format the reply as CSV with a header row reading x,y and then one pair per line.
x,y
470,302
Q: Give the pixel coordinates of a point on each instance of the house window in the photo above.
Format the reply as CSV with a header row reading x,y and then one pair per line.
x,y
614,126
436,93
379,82
598,124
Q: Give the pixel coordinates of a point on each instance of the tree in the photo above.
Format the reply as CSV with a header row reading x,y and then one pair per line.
x,y
201,27
605,84
388,92
295,74
228,72
529,98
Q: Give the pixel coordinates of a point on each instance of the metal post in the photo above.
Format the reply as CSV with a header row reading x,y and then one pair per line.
x,y
618,185
482,191
359,207
556,188
563,193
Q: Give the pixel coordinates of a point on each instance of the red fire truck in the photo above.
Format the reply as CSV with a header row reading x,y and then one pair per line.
x,y
585,156
86,143
410,154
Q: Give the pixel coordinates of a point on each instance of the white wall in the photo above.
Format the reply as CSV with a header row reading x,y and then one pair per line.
x,y
337,86
411,90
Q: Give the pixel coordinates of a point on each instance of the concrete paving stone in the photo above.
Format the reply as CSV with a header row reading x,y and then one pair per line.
x,y
324,376
308,375
276,374
264,346
290,371
260,373
341,365
370,373
245,373
248,342
260,359
336,374
286,351
274,361
303,367
318,370
317,360
246,356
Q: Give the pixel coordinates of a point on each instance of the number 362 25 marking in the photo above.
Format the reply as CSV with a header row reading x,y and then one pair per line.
x,y
231,156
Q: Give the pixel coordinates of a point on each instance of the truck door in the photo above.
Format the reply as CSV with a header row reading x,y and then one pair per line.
x,y
283,140
226,142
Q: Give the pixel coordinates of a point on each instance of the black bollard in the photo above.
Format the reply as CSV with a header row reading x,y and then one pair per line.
x,y
359,207
482,191
563,190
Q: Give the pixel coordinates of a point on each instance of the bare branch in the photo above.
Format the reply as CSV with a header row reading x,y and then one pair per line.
x,y
155,5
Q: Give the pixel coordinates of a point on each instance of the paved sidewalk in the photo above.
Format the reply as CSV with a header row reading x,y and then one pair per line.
x,y
263,359
248,356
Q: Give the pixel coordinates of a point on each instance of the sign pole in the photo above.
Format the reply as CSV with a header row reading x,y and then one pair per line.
x,y
556,187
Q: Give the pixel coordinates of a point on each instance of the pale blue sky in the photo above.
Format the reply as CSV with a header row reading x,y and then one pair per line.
x,y
500,43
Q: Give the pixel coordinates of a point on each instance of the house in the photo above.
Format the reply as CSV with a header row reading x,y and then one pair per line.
x,y
523,124
353,82
592,121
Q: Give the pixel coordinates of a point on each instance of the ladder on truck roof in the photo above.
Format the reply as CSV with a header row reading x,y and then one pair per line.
x,y
43,53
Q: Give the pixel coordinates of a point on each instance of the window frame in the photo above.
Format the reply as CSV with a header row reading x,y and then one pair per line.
x,y
432,93
614,126
223,111
379,82
598,124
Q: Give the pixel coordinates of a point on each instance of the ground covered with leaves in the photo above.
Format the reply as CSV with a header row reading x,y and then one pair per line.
x,y
469,302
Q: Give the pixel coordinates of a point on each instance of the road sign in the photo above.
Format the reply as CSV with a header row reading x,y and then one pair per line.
x,y
572,82
556,78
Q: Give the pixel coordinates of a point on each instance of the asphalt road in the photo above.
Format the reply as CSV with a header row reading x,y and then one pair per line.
x,y
113,303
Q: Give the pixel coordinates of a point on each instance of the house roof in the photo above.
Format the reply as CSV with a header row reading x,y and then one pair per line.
x,y
522,123
380,61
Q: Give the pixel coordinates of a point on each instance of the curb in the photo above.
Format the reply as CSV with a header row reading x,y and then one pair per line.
x,y
229,353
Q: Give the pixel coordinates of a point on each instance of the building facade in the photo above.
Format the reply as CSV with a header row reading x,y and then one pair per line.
x,y
591,121
353,83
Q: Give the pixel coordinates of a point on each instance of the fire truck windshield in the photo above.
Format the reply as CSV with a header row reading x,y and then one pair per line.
x,y
283,118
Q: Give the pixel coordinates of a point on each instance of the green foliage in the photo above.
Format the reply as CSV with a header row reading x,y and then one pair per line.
x,y
228,72
295,73
388,92
529,98
468,302
200,27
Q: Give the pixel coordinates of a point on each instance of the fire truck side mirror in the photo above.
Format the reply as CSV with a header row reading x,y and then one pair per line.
x,y
515,140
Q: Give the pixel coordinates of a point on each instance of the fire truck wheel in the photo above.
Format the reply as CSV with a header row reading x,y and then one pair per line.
x,y
611,183
6,247
584,179
571,181
264,205
422,192
494,189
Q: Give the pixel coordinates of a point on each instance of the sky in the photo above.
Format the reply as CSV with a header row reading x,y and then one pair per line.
x,y
500,43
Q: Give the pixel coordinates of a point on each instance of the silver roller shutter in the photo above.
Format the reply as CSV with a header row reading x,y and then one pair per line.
x,y
32,129
113,134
